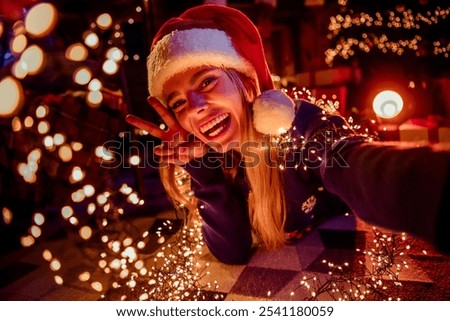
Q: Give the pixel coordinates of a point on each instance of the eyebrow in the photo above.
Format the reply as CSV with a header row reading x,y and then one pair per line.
x,y
192,81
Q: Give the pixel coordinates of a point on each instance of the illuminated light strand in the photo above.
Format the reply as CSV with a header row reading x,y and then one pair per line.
x,y
382,262
112,56
405,20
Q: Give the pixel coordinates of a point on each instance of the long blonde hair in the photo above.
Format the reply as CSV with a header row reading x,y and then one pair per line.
x,y
266,200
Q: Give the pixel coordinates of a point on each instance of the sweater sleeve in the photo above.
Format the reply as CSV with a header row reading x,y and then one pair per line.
x,y
398,186
223,208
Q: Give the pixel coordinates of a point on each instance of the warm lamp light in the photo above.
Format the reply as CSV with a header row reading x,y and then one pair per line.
x,y
387,104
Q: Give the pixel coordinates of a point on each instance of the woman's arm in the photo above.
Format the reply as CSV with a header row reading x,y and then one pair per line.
x,y
393,185
223,208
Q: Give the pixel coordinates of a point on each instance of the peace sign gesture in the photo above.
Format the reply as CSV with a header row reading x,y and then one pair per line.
x,y
178,145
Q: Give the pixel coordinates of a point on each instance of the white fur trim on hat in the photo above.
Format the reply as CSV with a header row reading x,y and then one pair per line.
x,y
273,112
184,49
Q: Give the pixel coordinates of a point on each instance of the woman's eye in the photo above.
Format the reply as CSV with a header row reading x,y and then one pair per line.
x,y
207,82
177,104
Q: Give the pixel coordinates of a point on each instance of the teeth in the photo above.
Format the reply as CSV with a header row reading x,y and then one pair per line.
x,y
212,123
216,132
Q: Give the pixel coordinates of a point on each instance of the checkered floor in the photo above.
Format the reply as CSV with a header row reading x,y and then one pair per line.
x,y
267,276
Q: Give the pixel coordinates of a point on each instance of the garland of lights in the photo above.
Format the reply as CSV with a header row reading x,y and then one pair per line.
x,y
392,20
385,262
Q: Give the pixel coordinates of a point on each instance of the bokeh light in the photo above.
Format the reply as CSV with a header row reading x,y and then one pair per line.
x,y
65,153
41,19
12,97
66,212
18,44
18,70
110,67
41,111
104,21
76,52
43,127
33,59
7,215
94,98
38,219
91,39
85,232
114,54
387,104
95,85
77,174
82,76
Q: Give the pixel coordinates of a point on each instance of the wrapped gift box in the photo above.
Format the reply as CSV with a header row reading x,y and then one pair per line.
x,y
433,129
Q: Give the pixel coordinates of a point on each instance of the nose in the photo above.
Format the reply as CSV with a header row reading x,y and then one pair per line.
x,y
197,101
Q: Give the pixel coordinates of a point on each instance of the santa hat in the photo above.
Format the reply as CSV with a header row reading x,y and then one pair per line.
x,y
220,36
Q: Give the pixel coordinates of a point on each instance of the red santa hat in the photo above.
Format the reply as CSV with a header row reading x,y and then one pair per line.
x,y
220,36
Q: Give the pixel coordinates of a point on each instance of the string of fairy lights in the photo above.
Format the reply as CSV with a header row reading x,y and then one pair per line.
x,y
174,272
376,32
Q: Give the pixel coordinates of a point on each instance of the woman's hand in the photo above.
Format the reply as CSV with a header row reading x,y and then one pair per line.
x,y
178,145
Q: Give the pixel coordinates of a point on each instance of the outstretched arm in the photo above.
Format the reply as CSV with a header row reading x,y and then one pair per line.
x,y
393,185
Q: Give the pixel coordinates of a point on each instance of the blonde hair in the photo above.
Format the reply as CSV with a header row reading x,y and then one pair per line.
x,y
266,200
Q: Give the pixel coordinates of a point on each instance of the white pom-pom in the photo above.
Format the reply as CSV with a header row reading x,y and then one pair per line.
x,y
273,112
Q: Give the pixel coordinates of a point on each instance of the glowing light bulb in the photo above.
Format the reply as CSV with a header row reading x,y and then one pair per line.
x,y
41,19
387,104
12,96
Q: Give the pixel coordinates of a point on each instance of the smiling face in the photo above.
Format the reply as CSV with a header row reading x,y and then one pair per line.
x,y
207,103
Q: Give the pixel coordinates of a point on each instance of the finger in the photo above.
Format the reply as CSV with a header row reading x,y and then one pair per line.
x,y
162,111
151,128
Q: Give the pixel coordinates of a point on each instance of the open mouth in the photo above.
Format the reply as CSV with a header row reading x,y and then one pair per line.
x,y
215,126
